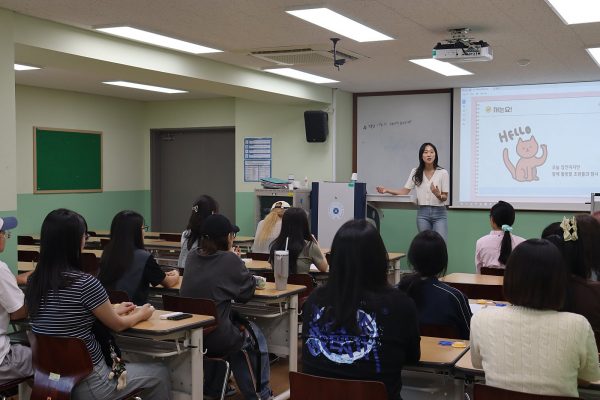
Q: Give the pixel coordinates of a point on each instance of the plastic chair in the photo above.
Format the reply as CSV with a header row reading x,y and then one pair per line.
x,y
304,386
90,263
484,392
60,363
28,255
170,237
441,331
4,387
25,240
203,307
258,256
492,271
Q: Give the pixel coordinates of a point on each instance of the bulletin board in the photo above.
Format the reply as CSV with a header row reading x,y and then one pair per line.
x,y
66,161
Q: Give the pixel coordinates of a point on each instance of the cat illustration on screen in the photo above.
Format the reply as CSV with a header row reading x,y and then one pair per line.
x,y
526,168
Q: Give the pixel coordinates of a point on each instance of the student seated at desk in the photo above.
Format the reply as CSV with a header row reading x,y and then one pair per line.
x,y
357,326
302,245
15,360
493,249
269,228
202,208
531,346
437,303
214,272
65,301
578,239
126,266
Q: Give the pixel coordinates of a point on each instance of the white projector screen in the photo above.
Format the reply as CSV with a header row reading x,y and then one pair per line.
x,y
535,146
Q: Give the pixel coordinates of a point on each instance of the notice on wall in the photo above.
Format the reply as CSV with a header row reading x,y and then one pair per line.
x,y
257,158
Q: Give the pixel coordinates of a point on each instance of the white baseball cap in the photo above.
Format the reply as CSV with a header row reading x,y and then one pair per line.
x,y
280,204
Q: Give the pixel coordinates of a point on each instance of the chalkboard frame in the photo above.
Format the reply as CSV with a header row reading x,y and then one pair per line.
x,y
39,151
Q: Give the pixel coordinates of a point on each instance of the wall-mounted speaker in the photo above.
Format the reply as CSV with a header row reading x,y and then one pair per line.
x,y
316,126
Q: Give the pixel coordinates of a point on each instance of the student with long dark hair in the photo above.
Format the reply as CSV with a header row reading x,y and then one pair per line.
x,y
437,303
532,346
493,249
432,185
214,272
202,208
65,301
578,239
357,326
125,264
302,245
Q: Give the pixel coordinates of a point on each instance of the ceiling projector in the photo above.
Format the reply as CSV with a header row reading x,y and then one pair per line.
x,y
460,48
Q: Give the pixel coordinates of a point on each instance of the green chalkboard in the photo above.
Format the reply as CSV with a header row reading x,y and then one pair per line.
x,y
66,161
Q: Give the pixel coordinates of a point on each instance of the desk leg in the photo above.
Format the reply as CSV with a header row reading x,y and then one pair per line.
x,y
197,365
293,341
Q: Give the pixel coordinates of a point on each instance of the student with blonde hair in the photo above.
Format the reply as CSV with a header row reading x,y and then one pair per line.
x,y
268,229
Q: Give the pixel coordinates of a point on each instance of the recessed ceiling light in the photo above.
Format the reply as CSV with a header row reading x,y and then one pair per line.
x,y
441,67
144,87
303,76
157,40
23,67
576,11
325,18
594,52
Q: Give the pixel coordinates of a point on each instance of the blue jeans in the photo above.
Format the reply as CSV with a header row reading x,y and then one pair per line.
x,y
152,376
239,366
433,218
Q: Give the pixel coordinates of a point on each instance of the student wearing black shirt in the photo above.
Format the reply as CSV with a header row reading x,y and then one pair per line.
x,y
437,303
126,266
357,326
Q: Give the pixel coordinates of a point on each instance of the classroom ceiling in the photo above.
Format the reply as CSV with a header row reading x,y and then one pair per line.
x,y
516,30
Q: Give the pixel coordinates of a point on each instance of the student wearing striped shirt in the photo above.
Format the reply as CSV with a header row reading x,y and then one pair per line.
x,y
64,301
437,303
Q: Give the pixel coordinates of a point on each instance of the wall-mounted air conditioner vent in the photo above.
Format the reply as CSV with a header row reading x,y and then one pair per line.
x,y
304,55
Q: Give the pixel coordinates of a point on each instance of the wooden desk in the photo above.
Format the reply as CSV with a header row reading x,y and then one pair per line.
x,y
473,279
97,253
26,266
434,354
187,367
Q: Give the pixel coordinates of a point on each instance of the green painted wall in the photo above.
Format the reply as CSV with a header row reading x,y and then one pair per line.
x,y
398,227
9,256
244,213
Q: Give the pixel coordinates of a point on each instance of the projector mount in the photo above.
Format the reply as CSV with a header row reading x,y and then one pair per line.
x,y
460,40
337,62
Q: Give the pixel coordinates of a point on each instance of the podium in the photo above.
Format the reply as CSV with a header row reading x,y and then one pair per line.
x,y
376,203
334,203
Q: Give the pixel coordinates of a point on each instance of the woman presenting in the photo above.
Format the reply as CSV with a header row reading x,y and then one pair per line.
x,y
431,183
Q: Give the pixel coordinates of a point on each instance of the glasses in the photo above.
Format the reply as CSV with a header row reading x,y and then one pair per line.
x,y
6,234
145,228
234,234
86,236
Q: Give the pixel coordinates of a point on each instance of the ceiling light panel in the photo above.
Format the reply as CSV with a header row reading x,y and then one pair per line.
x,y
144,87
23,67
440,67
157,40
303,76
328,19
576,11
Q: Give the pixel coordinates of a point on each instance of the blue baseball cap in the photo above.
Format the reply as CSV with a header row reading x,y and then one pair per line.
x,y
8,223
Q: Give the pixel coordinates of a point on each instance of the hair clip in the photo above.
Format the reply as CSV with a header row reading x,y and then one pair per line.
x,y
507,228
195,209
569,227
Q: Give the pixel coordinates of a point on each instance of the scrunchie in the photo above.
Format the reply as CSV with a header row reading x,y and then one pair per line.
x,y
507,228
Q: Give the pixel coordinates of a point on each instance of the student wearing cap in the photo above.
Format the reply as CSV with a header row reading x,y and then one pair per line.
x,y
268,229
213,271
15,360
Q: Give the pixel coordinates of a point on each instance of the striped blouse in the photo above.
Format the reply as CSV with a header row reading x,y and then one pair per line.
x,y
68,312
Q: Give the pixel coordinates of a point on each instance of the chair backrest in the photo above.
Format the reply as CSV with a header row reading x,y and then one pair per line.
x,y
104,242
90,263
483,392
492,271
28,255
117,296
170,237
475,291
305,280
12,384
59,363
442,331
193,306
25,240
258,256
304,386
